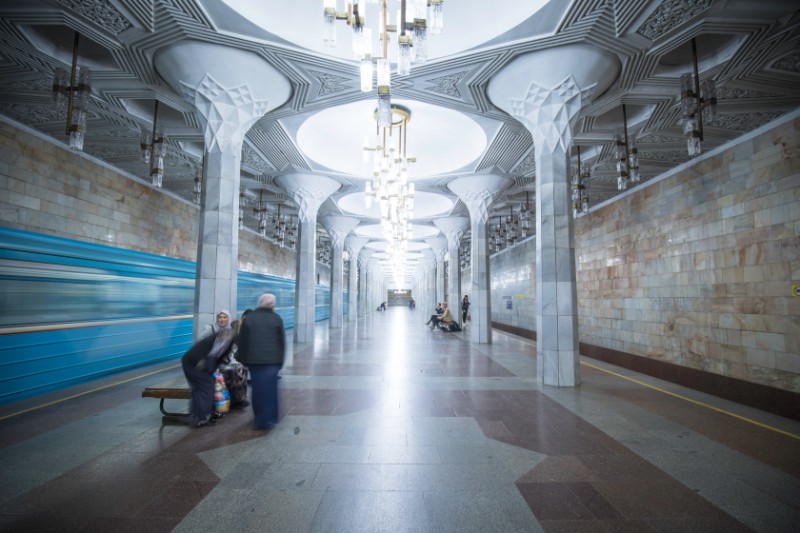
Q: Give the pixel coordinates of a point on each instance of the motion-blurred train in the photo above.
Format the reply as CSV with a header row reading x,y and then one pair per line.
x,y
72,311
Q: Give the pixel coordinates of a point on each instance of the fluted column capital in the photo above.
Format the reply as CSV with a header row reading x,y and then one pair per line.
x,y
338,227
309,192
478,192
353,245
439,247
453,228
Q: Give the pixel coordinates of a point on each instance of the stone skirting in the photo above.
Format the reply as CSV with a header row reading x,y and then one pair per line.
x,y
777,401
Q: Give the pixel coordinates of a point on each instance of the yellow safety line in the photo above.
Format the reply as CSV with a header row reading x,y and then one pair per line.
x,y
643,384
765,426
86,392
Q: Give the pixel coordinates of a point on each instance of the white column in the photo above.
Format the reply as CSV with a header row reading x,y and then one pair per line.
x,y
439,247
308,191
363,262
337,227
454,228
218,243
353,246
549,107
478,192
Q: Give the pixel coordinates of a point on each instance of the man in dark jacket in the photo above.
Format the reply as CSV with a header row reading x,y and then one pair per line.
x,y
262,344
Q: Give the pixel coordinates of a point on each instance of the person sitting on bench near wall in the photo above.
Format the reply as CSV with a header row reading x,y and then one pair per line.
x,y
444,318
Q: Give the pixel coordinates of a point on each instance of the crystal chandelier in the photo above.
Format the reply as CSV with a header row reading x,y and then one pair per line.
x,y
153,149
75,97
698,104
390,186
580,196
626,155
415,19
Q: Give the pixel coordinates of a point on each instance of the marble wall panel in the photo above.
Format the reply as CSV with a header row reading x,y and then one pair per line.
x,y
714,251
46,188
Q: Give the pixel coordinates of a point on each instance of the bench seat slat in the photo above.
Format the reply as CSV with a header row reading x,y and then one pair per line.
x,y
172,393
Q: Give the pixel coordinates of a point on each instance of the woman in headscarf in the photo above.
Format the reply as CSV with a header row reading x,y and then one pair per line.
x,y
223,321
199,364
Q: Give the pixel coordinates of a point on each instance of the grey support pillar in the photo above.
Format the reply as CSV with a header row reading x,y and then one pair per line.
x,y
353,246
549,107
363,262
454,228
337,227
309,192
439,247
227,104
478,192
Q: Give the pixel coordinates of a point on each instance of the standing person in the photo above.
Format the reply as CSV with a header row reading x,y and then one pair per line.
x,y
262,344
464,308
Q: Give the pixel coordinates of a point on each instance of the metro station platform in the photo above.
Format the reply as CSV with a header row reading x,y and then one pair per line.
x,y
388,427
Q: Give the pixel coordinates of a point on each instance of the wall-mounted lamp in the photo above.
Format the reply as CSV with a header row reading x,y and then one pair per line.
x,y
626,155
580,194
154,148
698,104
74,97
198,183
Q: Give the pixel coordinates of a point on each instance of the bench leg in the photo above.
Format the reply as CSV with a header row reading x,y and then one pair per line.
x,y
168,414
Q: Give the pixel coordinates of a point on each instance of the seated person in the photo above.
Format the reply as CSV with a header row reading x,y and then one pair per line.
x,y
443,318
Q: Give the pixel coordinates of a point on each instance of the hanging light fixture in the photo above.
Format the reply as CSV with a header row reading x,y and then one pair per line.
x,y
525,219
580,196
198,185
390,186
154,148
242,207
412,28
626,155
260,212
698,104
74,96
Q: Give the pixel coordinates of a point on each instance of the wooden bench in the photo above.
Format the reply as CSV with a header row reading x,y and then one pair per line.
x,y
452,326
168,393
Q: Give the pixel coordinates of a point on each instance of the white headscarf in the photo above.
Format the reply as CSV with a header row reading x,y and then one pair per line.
x,y
216,327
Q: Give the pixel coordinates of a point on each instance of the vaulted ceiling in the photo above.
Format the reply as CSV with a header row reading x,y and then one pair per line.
x,y
751,49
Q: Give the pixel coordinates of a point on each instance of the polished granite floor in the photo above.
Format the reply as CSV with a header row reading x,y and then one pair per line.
x,y
389,427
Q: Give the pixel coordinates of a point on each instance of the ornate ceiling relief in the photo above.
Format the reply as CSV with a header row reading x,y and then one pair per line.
x,y
447,85
31,114
101,12
330,83
526,167
252,160
671,14
658,139
42,84
731,93
669,157
742,121
790,63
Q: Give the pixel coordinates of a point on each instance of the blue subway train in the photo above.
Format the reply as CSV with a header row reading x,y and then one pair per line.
x,y
72,311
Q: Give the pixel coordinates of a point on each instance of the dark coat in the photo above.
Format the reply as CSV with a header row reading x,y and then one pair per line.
x,y
199,351
262,340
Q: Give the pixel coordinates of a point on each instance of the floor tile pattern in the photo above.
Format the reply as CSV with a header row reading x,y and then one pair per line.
x,y
387,426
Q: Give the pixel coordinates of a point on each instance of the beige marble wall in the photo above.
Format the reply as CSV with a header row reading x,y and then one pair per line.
x,y
47,188
697,269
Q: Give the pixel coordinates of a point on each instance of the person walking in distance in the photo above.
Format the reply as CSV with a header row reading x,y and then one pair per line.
x,y
262,345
